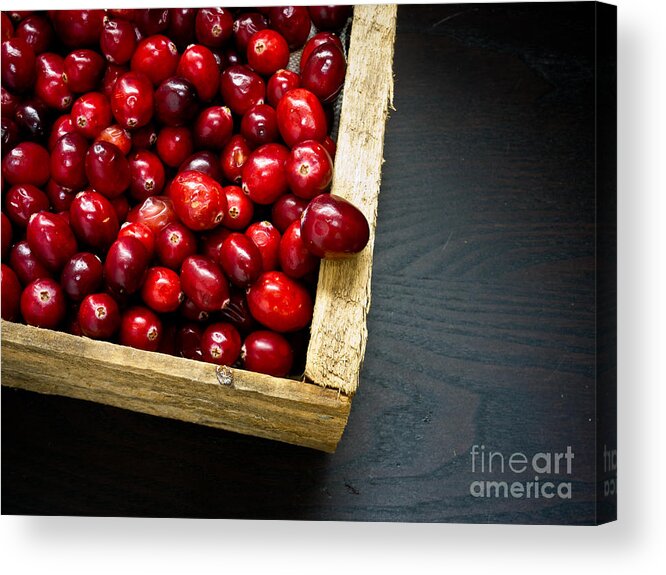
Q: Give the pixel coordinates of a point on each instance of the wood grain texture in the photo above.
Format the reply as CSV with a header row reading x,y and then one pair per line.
x,y
339,331
52,362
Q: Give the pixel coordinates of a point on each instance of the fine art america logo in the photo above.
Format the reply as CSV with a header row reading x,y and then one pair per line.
x,y
524,474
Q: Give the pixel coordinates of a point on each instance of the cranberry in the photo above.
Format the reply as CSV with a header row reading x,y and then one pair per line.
x,y
7,232
279,84
140,328
332,227
111,75
107,169
26,265
181,26
238,312
240,259
51,239
211,243
245,25
198,66
118,40
91,113
316,41
156,57
18,65
192,312
301,117
37,31
241,88
287,209
10,134
240,209
213,26
118,136
77,28
264,176
27,163
309,169
329,17
124,13
99,316
94,220
204,283
295,259
324,72
82,275
221,344
267,352
121,207
233,158
280,302
49,84
204,162
24,200
83,70
7,27
161,290
174,145
11,294
147,175
43,303
198,200
188,341
329,144
175,101
62,125
267,239
60,197
259,125
267,52
132,100
32,117
174,243
125,265
213,128
293,22
156,212
8,102
152,21
68,161
145,137
142,233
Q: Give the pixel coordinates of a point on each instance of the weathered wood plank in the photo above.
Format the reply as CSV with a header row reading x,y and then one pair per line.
x,y
339,332
58,363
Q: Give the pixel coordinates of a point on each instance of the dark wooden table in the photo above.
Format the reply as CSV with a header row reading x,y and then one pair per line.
x,y
482,320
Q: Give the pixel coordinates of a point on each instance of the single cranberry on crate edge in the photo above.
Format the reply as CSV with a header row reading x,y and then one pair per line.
x,y
128,117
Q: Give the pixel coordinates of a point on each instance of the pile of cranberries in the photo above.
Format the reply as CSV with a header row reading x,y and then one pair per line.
x,y
165,177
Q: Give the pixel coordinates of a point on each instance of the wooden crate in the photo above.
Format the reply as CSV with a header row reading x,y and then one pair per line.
x,y
311,412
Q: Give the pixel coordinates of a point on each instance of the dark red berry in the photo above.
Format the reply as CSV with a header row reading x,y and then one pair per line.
x,y
295,259
82,275
221,344
241,88
9,134
37,31
24,200
68,161
238,312
84,69
7,233
309,169
132,100
264,176
26,265
112,74
188,341
240,208
316,41
205,162
324,72
118,40
27,163
198,200
33,119
10,289
329,144
125,265
7,28
181,26
332,227
151,21
280,302
192,312
43,303
198,66
267,239
211,242
204,283
50,86
259,125
245,26
51,239
240,259
329,17
287,209
107,169
293,22
18,65
140,328
147,175
213,128
144,138
174,243
78,28
279,84
267,52
267,352
301,117
94,220
233,158
59,196
161,290
213,26
99,316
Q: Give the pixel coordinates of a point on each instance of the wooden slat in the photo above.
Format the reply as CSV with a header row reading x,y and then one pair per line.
x,y
339,332
58,363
